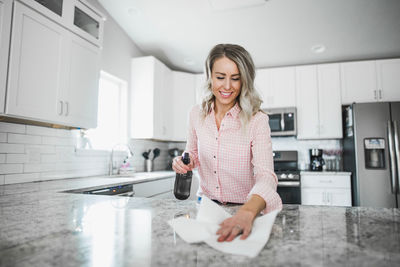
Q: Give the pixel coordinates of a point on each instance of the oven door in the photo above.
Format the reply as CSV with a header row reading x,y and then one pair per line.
x,y
289,191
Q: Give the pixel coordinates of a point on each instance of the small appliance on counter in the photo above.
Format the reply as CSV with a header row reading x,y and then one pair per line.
x,y
316,160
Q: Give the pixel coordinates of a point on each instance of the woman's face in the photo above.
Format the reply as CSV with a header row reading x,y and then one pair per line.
x,y
226,82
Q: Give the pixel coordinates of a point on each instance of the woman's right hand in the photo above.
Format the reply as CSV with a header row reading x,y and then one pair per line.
x,y
179,167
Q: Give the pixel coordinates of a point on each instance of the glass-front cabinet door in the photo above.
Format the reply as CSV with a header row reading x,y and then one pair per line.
x,y
55,6
87,23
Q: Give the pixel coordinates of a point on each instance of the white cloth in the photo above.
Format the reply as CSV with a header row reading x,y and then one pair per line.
x,y
205,226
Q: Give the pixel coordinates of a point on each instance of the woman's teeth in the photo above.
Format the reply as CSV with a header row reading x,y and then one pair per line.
x,y
226,94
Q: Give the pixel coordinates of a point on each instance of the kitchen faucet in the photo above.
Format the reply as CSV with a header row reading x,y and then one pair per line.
x,y
111,163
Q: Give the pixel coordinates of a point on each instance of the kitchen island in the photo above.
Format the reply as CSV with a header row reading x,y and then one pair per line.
x,y
41,225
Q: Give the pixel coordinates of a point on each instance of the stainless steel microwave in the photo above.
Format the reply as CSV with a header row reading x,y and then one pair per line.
x,y
282,121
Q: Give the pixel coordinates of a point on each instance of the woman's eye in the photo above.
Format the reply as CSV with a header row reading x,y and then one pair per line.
x,y
220,78
236,79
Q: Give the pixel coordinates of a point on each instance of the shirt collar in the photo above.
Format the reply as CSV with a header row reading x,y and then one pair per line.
x,y
234,111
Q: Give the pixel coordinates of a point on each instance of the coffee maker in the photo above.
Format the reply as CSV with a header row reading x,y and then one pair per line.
x,y
316,160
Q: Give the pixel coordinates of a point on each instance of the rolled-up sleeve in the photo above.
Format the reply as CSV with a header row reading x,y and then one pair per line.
x,y
191,144
266,181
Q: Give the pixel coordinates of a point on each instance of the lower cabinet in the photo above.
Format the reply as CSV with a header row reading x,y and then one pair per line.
x,y
158,189
330,189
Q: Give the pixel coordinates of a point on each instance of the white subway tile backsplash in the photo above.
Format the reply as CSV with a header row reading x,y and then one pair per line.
x,y
11,148
44,149
21,178
65,133
3,137
17,158
3,158
53,140
39,167
37,130
10,168
2,179
49,158
6,127
24,139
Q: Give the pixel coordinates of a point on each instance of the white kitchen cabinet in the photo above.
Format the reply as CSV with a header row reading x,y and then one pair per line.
x,y
81,97
5,27
49,61
38,58
276,87
151,99
200,83
331,189
370,81
358,82
318,102
154,188
388,76
184,98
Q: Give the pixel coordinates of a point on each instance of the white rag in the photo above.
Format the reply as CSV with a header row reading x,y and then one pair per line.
x,y
205,226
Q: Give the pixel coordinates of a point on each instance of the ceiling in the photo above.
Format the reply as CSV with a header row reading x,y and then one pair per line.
x,y
275,32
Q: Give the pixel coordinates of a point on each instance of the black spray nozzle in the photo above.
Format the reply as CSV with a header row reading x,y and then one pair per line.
x,y
186,158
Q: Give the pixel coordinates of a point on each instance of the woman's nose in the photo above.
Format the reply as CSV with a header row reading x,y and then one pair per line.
x,y
227,84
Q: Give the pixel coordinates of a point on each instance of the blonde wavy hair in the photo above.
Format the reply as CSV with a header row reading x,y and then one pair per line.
x,y
248,99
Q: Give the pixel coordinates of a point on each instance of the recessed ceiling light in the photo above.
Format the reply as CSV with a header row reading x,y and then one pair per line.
x,y
189,61
133,11
318,48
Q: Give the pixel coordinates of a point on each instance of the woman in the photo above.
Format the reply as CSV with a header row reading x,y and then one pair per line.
x,y
229,142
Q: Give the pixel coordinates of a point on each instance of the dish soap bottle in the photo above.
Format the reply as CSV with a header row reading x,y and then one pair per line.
x,y
183,181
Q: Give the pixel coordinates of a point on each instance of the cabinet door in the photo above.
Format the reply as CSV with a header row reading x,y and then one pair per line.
x,y
81,96
307,102
313,196
37,63
143,109
183,95
388,79
339,197
261,85
5,25
200,83
330,108
282,87
359,83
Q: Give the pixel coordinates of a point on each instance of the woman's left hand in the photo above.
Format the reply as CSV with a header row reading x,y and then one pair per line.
x,y
240,223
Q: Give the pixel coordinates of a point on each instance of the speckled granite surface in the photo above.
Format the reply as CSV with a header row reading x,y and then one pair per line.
x,y
39,226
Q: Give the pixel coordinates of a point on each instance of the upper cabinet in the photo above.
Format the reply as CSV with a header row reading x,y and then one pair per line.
x,y
184,98
161,100
388,75
50,60
370,81
5,26
151,99
276,87
318,102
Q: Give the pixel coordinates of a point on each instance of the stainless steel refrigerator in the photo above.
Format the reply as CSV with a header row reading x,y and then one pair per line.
x,y
371,153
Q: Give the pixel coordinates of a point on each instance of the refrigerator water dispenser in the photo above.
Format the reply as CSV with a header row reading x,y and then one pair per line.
x,y
374,149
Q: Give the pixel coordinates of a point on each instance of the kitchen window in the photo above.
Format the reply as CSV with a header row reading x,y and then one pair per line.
x,y
112,113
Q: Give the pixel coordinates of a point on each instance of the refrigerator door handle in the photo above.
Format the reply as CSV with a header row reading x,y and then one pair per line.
x,y
392,158
397,152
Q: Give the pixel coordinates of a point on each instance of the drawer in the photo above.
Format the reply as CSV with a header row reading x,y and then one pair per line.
x,y
149,189
325,181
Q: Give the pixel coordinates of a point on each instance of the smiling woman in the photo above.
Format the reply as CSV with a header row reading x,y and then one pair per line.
x,y
112,113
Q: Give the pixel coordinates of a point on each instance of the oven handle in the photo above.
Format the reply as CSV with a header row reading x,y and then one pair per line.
x,y
288,183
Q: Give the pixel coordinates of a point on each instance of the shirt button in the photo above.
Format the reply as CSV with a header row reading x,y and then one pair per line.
x,y
216,138
214,157
215,171
217,187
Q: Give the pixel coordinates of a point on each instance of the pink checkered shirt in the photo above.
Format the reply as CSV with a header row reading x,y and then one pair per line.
x,y
233,166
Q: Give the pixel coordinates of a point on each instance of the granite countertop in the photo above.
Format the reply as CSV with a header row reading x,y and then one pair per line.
x,y
40,226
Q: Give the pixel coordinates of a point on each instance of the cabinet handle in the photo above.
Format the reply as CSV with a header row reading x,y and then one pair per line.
x,y
324,197
61,108
380,94
66,108
375,95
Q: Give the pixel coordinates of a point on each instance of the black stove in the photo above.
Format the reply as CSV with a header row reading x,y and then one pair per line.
x,y
285,167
